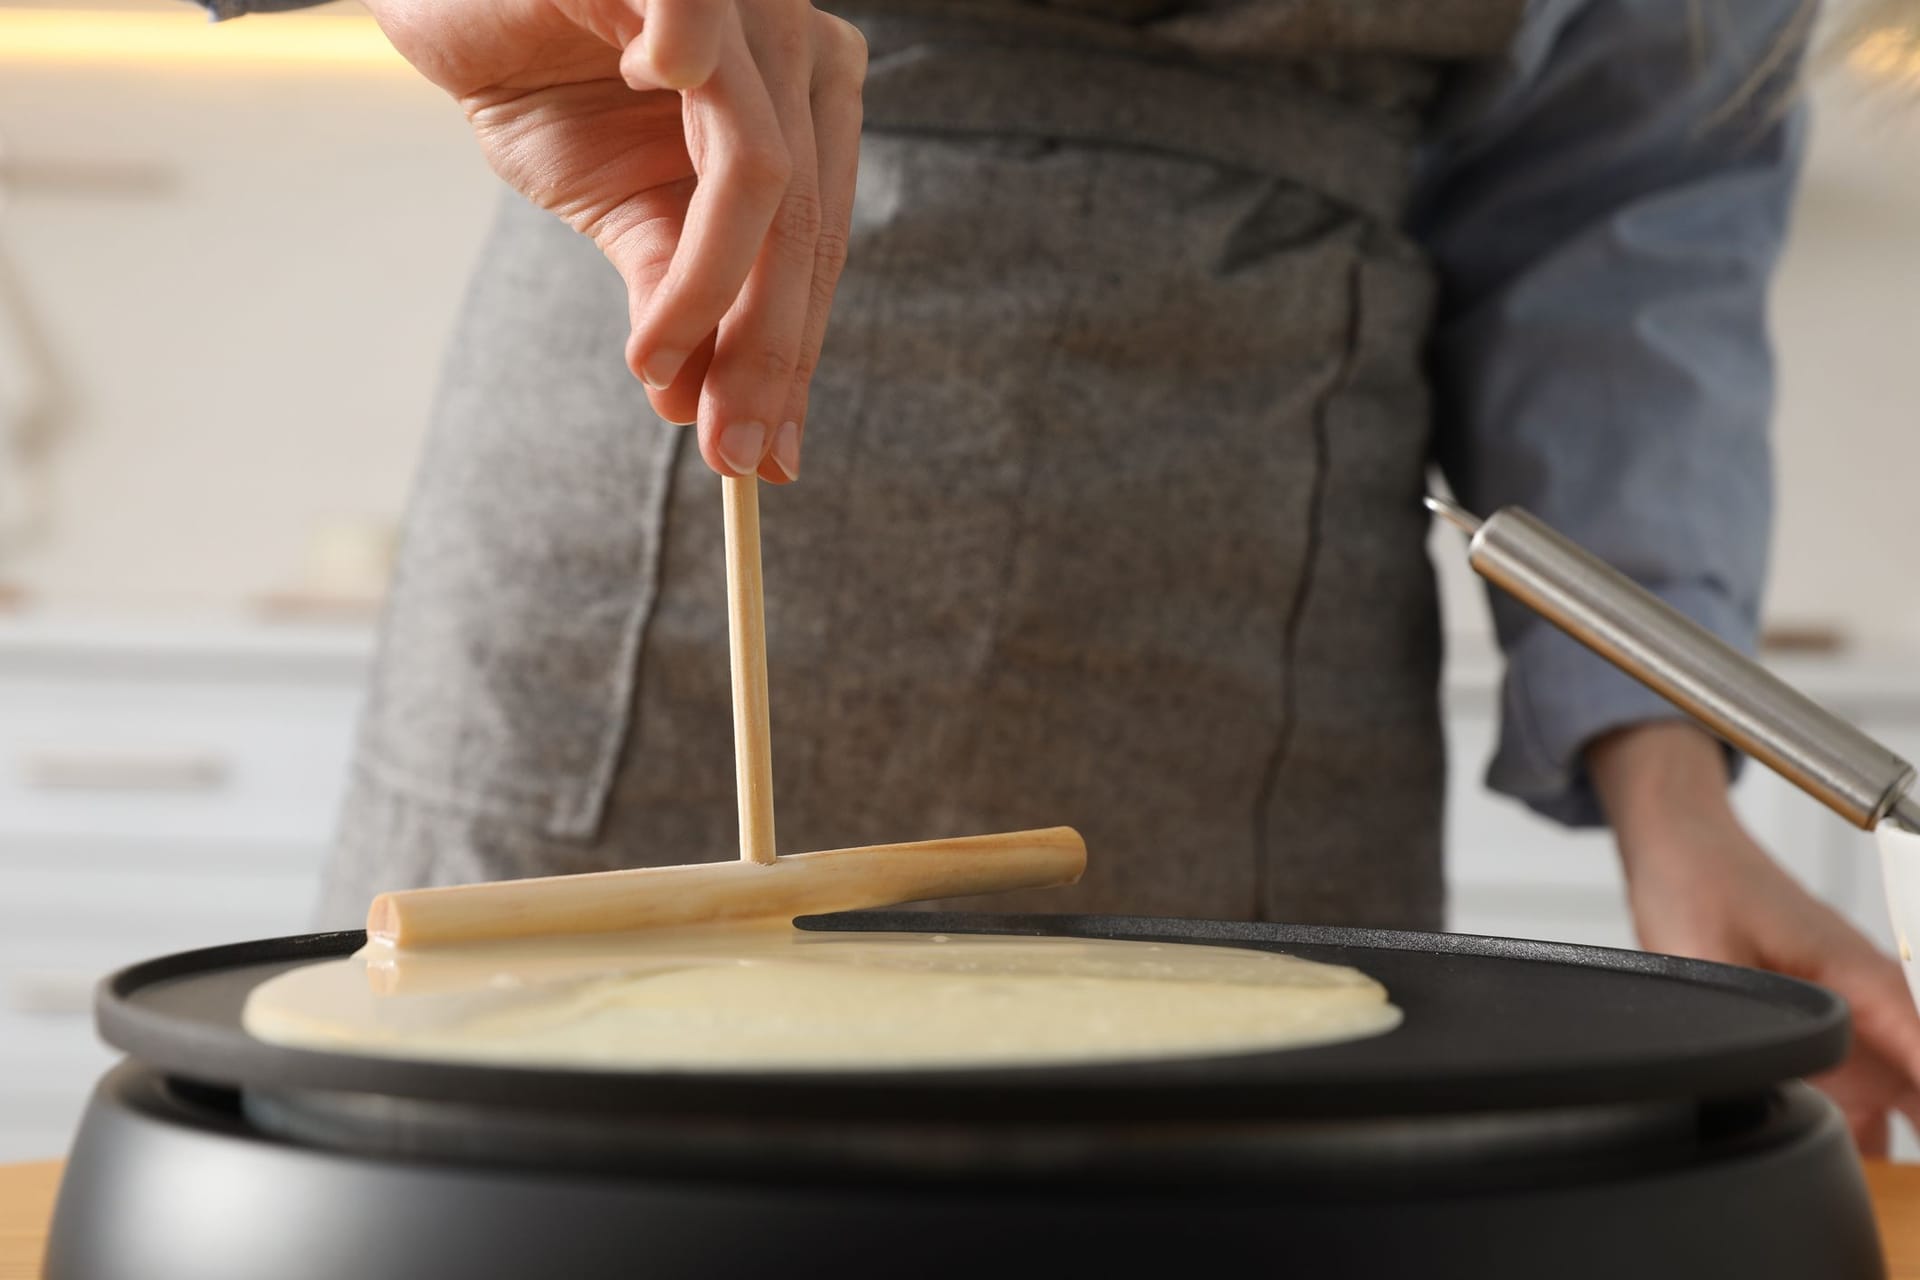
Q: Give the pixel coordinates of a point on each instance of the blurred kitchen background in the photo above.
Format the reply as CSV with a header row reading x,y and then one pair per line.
x,y
228,261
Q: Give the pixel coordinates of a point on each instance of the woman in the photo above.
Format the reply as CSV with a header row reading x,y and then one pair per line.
x,y
1156,313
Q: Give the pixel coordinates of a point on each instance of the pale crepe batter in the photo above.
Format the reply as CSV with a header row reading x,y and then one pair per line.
x,y
776,998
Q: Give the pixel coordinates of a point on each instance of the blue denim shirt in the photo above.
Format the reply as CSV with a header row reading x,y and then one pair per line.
x,y
1605,208
1606,212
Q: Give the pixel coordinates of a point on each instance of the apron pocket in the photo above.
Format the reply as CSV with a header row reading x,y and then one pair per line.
x,y
529,563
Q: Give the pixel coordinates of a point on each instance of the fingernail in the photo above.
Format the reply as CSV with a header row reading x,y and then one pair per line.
x,y
786,450
659,370
742,445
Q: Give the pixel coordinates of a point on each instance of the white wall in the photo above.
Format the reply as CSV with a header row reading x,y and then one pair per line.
x,y
1846,316
244,282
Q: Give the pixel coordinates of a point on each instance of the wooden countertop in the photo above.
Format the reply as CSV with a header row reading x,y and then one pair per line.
x,y
26,1202
1896,1202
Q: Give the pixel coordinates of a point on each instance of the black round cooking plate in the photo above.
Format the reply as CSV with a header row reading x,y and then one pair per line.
x,y
1491,1024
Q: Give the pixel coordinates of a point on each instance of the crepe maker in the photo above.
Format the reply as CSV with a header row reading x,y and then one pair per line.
x,y
1544,1110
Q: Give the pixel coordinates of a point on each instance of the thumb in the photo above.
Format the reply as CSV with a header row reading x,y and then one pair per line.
x,y
639,240
679,43
679,402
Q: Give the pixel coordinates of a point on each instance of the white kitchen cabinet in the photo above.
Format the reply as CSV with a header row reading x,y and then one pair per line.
x,y
160,789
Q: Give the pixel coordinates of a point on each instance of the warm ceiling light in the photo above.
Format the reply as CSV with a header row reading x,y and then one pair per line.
x,y
1890,55
103,37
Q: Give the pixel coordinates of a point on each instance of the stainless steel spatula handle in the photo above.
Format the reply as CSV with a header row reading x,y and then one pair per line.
x,y
1651,641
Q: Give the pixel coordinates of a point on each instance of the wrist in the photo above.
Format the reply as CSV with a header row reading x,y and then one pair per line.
x,y
1661,784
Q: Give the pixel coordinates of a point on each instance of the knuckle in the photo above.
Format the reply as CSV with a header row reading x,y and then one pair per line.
x,y
845,48
796,227
775,365
779,28
765,164
792,41
830,252
820,295
803,368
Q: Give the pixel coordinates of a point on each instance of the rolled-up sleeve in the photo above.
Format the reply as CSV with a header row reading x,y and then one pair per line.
x,y
1605,221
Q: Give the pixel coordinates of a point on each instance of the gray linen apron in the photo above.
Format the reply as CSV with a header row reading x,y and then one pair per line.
x,y
1110,512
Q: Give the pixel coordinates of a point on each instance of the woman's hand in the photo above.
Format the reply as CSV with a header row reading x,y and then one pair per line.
x,y
1700,886
708,147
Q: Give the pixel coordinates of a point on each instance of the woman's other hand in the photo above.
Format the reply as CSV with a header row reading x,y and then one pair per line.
x,y
1700,886
709,148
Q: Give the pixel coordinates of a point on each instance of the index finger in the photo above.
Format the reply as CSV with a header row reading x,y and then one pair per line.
x,y
741,155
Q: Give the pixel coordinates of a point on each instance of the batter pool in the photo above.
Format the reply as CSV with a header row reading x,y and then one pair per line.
x,y
776,998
